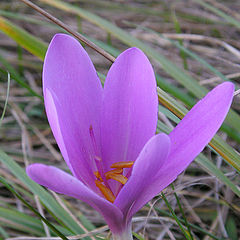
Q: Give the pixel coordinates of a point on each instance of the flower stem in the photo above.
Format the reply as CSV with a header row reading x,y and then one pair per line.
x,y
126,235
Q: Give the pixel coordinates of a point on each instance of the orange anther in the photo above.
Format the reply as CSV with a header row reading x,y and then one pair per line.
x,y
98,176
118,177
114,171
107,193
122,164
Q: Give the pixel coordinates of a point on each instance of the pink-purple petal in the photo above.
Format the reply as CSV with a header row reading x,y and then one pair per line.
x,y
52,108
190,137
199,126
73,92
63,183
129,112
54,122
150,160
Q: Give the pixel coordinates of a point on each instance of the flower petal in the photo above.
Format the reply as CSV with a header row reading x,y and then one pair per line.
x,y
61,182
199,126
190,137
129,113
150,160
73,95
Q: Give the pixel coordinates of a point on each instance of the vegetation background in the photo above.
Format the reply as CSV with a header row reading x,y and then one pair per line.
x,y
193,46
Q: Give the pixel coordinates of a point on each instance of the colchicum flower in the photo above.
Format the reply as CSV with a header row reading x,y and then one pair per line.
x,y
107,136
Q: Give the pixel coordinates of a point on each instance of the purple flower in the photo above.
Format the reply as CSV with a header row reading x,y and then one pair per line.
x,y
107,136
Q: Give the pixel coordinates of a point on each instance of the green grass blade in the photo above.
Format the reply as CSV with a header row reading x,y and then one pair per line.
x,y
6,101
220,13
21,220
232,229
176,218
180,41
137,236
16,77
175,91
183,214
197,228
23,38
213,170
189,53
22,17
32,209
3,233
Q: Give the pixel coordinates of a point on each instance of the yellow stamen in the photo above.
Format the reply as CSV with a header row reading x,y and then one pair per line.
x,y
98,176
122,164
107,193
114,171
118,177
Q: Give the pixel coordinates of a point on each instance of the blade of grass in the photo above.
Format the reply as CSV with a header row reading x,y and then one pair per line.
x,y
220,13
16,77
175,217
2,180
23,38
175,91
138,236
166,14
20,58
178,30
182,212
4,233
199,229
6,101
70,30
232,229
190,53
22,222
22,17
22,219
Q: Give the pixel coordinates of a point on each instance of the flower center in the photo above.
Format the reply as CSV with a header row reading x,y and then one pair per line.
x,y
115,174
102,178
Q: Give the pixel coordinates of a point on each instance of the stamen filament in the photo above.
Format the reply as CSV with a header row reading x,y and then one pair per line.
x,y
114,171
98,161
115,174
93,139
122,164
107,193
98,176
118,177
